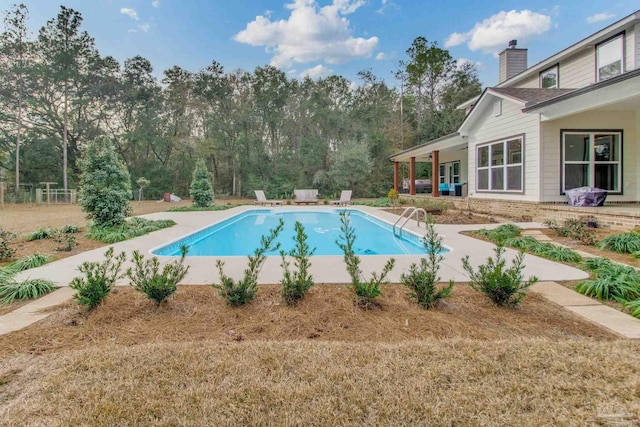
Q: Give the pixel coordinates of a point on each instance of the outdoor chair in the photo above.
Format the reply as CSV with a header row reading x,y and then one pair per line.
x,y
345,199
261,199
305,196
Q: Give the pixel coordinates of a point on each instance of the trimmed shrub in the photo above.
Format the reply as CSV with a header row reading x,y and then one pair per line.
x,y
6,251
240,293
295,284
105,185
201,189
422,279
503,286
364,291
158,286
99,278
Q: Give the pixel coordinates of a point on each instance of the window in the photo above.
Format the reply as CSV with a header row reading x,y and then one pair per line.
x,y
592,159
441,175
549,78
499,166
497,108
610,58
450,173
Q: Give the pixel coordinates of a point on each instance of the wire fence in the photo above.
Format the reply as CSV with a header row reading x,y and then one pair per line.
x,y
36,194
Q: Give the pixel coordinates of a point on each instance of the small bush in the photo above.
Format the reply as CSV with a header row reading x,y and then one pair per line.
x,y
526,243
556,253
295,284
70,229
501,233
99,278
134,227
625,243
240,293
6,251
633,307
504,286
40,234
422,279
573,229
158,286
201,189
394,197
32,288
610,281
66,242
30,261
364,292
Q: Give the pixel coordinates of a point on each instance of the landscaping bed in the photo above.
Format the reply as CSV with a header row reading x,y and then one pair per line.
x,y
450,216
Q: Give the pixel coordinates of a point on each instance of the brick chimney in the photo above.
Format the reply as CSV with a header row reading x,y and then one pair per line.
x,y
512,61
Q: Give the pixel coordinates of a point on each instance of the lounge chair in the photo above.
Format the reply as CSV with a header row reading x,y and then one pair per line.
x,y
305,196
261,199
345,199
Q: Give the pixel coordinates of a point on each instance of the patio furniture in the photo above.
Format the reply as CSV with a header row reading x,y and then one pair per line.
x,y
586,196
421,186
345,198
305,196
443,189
261,199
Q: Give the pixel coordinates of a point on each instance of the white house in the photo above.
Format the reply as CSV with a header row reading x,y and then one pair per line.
x,y
571,120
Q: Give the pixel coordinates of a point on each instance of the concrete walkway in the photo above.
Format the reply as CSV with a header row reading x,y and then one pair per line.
x,y
327,269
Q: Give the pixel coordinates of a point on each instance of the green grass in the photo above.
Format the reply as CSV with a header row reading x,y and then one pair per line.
x,y
134,227
199,209
556,253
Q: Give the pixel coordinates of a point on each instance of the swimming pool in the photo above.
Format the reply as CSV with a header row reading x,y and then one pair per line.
x,y
240,234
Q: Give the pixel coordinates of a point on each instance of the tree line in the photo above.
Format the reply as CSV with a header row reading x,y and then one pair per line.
x,y
254,130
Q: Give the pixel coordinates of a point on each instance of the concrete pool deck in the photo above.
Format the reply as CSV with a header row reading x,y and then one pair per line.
x,y
325,269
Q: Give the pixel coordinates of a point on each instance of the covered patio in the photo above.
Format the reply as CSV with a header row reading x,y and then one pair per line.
x,y
448,156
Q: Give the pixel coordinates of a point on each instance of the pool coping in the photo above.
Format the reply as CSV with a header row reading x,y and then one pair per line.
x,y
326,269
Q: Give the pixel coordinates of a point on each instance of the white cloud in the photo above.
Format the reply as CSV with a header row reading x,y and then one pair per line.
x,y
493,34
603,16
455,39
316,72
144,27
381,56
310,33
131,30
386,4
131,13
155,3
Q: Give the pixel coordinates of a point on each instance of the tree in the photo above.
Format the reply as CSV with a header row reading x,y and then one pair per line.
x,y
105,184
65,54
201,190
14,53
351,167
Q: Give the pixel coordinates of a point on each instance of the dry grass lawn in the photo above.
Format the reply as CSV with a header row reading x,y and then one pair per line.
x,y
448,382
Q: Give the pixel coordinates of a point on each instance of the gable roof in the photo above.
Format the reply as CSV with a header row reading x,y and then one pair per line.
x,y
530,96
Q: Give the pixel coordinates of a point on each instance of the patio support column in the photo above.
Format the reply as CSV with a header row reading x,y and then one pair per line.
x,y
435,173
396,176
412,176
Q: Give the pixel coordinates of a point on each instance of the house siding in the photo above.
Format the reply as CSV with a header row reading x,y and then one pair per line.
x,y
627,121
636,46
510,123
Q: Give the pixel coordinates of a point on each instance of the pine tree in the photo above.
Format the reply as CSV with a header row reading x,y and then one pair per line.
x,y
201,190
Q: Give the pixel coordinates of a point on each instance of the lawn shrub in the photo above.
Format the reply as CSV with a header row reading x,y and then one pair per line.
x,y
295,284
633,307
66,242
364,291
556,253
99,278
201,189
134,227
240,293
105,184
421,279
625,243
31,288
610,281
147,278
574,229
41,234
70,229
6,251
503,286
525,243
501,233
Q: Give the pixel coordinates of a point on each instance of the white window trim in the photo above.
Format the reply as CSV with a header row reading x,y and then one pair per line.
x,y
497,108
557,68
592,158
504,166
619,38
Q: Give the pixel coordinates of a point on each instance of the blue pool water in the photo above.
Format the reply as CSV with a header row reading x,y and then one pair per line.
x,y
240,234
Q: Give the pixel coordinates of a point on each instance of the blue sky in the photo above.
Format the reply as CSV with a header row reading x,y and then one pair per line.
x,y
323,37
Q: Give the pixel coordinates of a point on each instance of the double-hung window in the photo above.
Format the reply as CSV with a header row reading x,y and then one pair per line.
x,y
549,78
610,58
592,159
499,166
